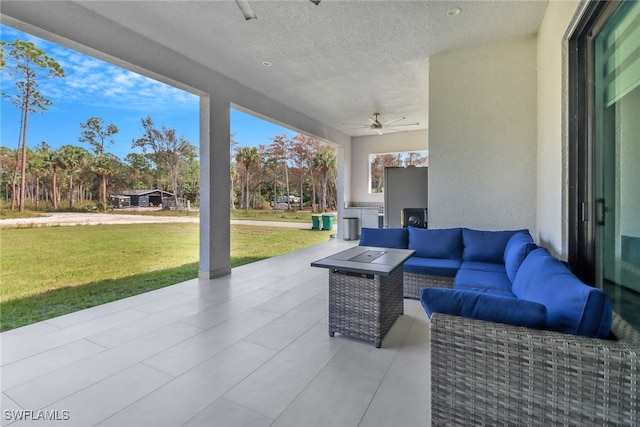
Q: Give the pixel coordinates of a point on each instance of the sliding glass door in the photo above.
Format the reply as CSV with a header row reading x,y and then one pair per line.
x,y
605,153
616,136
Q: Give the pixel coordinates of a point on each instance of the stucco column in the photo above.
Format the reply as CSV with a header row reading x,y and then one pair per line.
x,y
215,228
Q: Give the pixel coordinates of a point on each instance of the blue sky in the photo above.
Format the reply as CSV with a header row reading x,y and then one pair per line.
x,y
93,88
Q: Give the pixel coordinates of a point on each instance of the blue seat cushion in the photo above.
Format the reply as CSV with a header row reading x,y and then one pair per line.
x,y
492,290
483,266
472,279
482,306
444,243
397,238
432,266
572,306
485,246
517,249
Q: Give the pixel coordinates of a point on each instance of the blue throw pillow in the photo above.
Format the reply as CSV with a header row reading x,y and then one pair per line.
x,y
517,249
485,246
572,306
397,238
444,243
483,306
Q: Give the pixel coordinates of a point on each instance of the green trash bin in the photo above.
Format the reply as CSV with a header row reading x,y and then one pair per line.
x,y
327,221
316,225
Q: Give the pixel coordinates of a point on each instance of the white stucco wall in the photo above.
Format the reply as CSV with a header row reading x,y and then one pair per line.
x,y
552,167
363,146
482,137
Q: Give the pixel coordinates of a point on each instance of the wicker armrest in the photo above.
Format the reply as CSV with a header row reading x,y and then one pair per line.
x,y
491,374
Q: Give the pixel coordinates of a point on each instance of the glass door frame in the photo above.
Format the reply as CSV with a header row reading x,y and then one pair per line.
x,y
584,209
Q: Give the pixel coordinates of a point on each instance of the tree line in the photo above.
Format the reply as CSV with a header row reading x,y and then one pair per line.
x,y
76,174
258,176
291,173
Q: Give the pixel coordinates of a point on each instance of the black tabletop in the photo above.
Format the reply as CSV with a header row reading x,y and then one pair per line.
x,y
366,260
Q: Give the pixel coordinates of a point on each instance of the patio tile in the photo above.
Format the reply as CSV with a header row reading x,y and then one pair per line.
x,y
32,367
285,329
291,299
408,373
66,335
139,327
59,384
228,414
270,389
195,350
26,333
225,311
114,394
334,398
8,404
176,402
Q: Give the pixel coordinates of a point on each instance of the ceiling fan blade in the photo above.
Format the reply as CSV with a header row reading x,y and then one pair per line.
x,y
379,131
373,121
406,124
355,124
397,119
316,2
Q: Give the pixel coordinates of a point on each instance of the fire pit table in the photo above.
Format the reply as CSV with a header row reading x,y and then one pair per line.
x,y
365,291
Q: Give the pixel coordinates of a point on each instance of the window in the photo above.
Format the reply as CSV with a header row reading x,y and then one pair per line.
x,y
379,161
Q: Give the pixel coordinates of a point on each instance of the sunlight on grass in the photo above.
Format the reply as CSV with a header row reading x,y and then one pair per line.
x,y
51,271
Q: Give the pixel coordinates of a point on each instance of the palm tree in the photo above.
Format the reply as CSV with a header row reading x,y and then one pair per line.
x,y
53,162
304,149
98,136
324,163
73,158
38,167
248,157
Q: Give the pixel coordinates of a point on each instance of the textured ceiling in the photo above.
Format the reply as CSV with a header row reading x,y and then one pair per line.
x,y
338,62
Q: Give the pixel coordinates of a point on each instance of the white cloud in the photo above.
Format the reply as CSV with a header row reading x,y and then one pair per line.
x,y
96,83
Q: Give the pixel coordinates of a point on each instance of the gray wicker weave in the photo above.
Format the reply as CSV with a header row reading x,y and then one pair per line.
x,y
485,373
364,307
413,282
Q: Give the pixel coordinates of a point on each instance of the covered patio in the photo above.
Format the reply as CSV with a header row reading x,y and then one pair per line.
x,y
249,349
492,94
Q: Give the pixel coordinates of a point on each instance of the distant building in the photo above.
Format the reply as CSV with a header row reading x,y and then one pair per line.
x,y
149,198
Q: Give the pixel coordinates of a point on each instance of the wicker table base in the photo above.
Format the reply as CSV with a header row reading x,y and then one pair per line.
x,y
364,306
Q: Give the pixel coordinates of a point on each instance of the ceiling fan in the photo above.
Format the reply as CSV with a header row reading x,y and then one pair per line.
x,y
378,126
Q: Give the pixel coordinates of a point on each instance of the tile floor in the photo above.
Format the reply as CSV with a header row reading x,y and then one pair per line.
x,y
249,349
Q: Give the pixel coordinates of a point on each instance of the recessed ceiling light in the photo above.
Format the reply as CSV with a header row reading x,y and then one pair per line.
x,y
267,63
357,98
454,11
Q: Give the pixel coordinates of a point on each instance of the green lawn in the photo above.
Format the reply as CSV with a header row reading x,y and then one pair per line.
x,y
50,271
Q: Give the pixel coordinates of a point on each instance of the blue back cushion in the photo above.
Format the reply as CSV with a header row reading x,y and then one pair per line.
x,y
397,238
483,306
572,306
485,246
445,243
517,249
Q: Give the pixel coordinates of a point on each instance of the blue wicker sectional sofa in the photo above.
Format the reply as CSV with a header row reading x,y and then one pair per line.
x,y
497,276
459,257
516,338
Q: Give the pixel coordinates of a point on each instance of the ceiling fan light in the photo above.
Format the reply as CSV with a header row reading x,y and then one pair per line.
x,y
246,10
